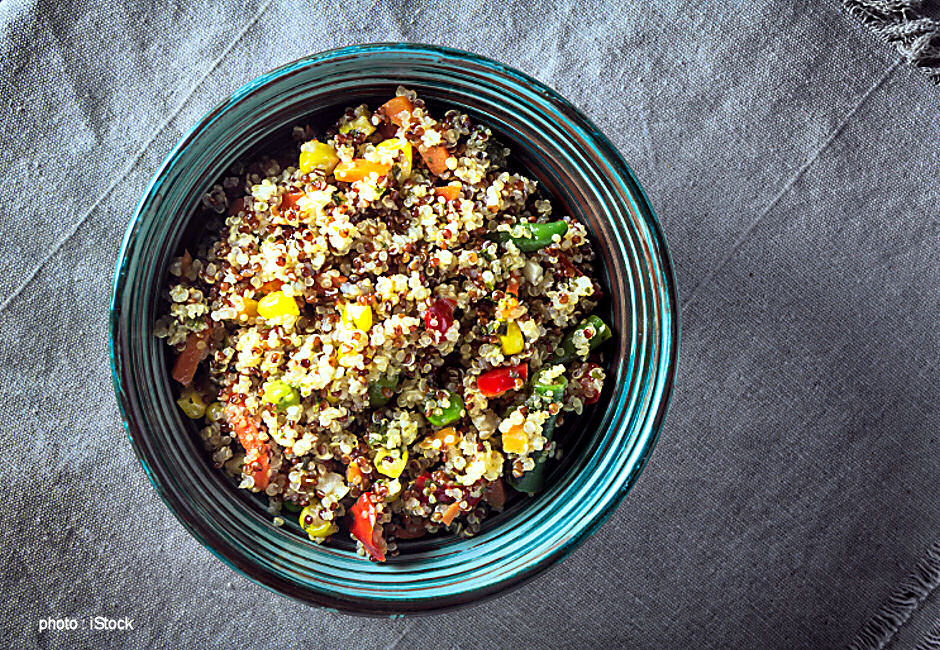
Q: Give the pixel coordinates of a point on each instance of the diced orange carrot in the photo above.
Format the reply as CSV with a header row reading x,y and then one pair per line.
x,y
247,432
197,349
449,192
436,158
358,169
271,286
512,286
290,199
445,438
451,512
394,108
353,473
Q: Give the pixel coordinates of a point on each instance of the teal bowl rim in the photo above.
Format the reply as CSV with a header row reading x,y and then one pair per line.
x,y
666,362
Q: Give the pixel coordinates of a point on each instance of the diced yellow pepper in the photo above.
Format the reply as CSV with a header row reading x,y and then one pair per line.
x,y
512,340
192,404
316,528
362,124
249,308
390,463
356,315
215,411
277,304
317,155
393,146
515,440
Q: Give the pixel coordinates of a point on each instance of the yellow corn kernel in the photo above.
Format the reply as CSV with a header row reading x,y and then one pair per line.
x,y
215,411
390,463
317,155
512,340
316,528
515,440
277,304
393,146
192,404
356,315
362,124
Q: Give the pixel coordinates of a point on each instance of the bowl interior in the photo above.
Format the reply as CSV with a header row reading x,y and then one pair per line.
x,y
604,450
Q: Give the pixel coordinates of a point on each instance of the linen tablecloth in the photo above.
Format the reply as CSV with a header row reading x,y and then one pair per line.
x,y
793,159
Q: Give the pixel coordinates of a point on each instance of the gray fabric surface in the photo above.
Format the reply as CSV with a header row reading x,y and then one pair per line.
x,y
793,161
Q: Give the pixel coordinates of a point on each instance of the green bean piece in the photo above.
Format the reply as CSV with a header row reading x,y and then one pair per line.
x,y
534,236
551,391
600,332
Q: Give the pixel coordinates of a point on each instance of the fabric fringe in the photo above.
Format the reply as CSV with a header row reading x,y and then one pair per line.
x,y
901,604
903,24
931,640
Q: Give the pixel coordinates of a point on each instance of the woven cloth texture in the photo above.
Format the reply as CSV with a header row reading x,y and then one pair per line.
x,y
792,157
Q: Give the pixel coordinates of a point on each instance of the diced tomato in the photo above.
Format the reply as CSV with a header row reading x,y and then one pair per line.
x,y
496,494
501,380
197,349
439,317
364,516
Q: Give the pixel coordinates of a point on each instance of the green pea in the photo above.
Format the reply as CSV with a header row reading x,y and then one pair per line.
x,y
566,351
382,390
281,394
439,415
534,235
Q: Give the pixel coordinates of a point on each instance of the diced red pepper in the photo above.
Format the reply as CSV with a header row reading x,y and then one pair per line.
x,y
364,517
501,380
197,349
247,432
439,317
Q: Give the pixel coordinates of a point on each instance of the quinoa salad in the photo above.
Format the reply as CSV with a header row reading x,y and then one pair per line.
x,y
383,326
